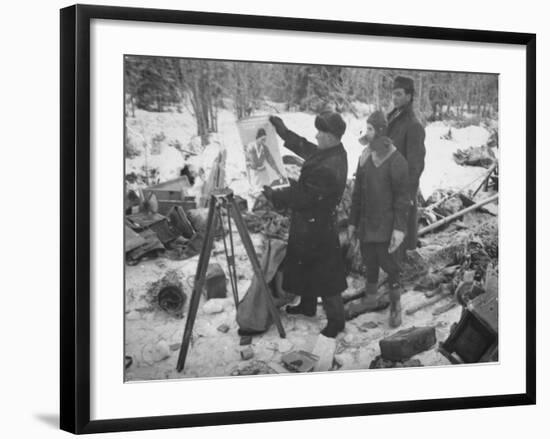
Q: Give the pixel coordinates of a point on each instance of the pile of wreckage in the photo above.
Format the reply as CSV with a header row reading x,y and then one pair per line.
x,y
162,221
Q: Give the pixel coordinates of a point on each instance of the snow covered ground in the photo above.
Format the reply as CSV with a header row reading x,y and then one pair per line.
x,y
153,337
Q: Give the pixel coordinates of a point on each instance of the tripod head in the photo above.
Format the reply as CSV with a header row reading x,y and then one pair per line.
x,y
222,195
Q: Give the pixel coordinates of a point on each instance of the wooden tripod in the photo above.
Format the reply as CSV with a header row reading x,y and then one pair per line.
x,y
223,198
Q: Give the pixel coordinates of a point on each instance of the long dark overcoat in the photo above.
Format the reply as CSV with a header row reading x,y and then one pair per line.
x,y
313,265
408,134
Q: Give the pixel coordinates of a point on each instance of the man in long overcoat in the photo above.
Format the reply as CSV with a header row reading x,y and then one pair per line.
x,y
313,265
408,134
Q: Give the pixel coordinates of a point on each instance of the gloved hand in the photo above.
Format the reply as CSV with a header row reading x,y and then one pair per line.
x,y
279,126
268,193
397,238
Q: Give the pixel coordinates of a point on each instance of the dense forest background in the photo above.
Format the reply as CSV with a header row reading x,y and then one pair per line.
x,y
203,86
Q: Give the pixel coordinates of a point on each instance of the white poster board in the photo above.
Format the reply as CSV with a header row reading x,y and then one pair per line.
x,y
264,165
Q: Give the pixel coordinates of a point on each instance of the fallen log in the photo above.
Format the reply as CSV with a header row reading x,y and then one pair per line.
x,y
467,202
447,292
454,216
445,308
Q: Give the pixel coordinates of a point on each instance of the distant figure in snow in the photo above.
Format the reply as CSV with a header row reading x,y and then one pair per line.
x,y
408,134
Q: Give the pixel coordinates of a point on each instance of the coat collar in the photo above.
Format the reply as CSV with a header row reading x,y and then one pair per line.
x,y
396,113
337,149
377,160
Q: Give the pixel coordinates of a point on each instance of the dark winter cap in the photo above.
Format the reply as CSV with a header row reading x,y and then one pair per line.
x,y
331,122
379,122
261,133
405,83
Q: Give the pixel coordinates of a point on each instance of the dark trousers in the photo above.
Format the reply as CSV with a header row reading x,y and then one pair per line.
x,y
334,307
411,238
375,256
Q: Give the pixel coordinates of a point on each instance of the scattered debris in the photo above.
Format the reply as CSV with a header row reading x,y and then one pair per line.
x,y
456,215
247,353
299,361
360,307
162,351
381,363
216,282
284,346
270,223
171,193
255,367
475,337
245,340
475,156
324,349
180,221
167,294
198,218
407,342
444,291
277,368
491,280
213,306
348,339
464,288
171,299
444,308
430,281
343,359
145,245
223,328
368,325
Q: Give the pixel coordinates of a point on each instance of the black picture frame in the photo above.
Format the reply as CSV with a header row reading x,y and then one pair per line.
x,y
75,217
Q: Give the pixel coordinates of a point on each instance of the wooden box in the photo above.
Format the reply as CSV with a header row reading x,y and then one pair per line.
x,y
171,193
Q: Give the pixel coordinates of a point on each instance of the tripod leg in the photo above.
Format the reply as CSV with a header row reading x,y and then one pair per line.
x,y
230,259
200,277
247,242
232,247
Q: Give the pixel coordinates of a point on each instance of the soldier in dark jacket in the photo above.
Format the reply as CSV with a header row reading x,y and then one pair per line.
x,y
313,265
378,218
407,134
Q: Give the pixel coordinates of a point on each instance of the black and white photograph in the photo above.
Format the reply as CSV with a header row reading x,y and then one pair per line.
x,y
293,218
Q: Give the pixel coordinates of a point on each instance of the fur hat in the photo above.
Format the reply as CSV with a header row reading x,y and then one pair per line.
x,y
379,122
331,122
405,83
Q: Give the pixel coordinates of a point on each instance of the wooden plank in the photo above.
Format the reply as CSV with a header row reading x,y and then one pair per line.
x,y
324,349
456,215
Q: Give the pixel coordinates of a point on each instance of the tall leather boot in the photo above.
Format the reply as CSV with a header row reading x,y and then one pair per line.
x,y
336,322
395,305
369,302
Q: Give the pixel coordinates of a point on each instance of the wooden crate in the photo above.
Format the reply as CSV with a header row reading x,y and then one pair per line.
x,y
171,193
475,337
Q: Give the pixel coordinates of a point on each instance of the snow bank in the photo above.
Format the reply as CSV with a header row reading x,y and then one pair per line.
x,y
156,135
441,171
